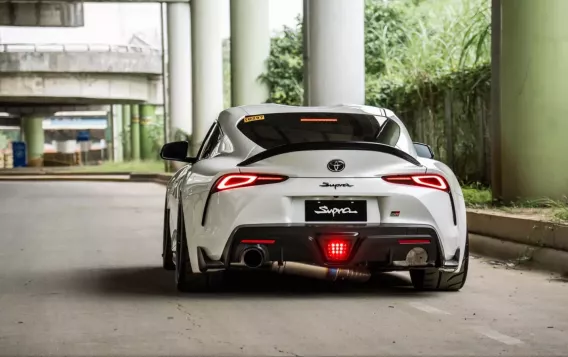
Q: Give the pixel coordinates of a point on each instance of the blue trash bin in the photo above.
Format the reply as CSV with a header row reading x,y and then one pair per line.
x,y
19,152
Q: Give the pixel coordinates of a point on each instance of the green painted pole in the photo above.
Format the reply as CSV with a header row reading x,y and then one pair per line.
x,y
533,99
147,116
35,138
135,131
126,145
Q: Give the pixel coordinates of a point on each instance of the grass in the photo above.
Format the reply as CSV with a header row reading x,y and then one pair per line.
x,y
130,166
477,196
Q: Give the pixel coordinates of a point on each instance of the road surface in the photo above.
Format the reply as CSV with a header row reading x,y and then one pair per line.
x,y
80,275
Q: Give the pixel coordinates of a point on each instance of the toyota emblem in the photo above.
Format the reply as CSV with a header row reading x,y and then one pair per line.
x,y
336,165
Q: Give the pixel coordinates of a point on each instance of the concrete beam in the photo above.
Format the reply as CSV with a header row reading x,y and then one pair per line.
x,y
46,110
79,88
87,62
42,14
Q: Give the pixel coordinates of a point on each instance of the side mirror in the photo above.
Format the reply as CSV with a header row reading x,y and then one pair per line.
x,y
424,150
176,151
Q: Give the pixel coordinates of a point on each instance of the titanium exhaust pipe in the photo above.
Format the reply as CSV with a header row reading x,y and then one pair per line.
x,y
253,257
323,273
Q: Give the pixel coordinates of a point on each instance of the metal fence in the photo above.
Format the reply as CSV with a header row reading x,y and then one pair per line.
x,y
59,47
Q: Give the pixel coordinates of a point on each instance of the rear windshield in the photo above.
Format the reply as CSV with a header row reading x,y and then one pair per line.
x,y
272,130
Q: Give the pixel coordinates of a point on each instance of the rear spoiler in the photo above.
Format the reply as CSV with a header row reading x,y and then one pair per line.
x,y
330,145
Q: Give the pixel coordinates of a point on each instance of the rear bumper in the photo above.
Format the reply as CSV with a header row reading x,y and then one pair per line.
x,y
377,247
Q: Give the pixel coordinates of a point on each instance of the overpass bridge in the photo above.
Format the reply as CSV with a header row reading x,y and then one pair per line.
x,y
38,80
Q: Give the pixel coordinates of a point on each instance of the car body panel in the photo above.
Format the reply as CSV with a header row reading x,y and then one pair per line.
x,y
283,203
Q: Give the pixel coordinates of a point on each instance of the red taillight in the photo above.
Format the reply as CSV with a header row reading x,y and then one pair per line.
x,y
337,249
414,241
231,181
431,181
258,241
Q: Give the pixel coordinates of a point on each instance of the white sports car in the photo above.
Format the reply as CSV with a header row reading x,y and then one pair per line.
x,y
325,192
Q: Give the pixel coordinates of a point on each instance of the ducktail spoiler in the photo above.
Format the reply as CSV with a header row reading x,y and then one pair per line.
x,y
329,145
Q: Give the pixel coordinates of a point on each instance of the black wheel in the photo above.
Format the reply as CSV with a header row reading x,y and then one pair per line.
x,y
187,280
441,281
167,254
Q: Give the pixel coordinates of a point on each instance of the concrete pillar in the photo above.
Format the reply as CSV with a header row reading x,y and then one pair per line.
x,y
336,52
179,71
495,122
250,48
117,134
126,145
306,52
135,131
147,116
533,99
34,138
207,66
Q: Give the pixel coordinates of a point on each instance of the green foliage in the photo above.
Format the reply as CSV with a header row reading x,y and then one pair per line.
x,y
384,31
285,66
417,53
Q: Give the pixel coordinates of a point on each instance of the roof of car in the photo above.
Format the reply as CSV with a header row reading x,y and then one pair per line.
x,y
233,115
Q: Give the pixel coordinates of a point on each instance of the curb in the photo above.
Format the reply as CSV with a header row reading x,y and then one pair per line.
x,y
62,173
102,178
522,254
527,231
162,178
529,242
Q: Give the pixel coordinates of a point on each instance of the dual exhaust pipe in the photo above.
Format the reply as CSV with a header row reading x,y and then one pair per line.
x,y
255,257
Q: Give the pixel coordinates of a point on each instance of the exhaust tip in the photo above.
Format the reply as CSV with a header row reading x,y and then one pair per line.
x,y
253,258
417,256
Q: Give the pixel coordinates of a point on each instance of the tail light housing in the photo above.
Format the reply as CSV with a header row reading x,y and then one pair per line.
x,y
337,250
421,180
232,181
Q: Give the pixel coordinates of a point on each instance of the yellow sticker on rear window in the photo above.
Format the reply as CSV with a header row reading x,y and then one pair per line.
x,y
254,118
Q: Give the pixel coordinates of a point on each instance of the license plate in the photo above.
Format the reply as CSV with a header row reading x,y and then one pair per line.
x,y
336,211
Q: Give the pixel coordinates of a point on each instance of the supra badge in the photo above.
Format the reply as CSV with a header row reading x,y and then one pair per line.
x,y
336,165
335,185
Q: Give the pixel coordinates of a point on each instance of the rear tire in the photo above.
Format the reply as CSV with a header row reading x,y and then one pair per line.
x,y
441,281
167,254
186,280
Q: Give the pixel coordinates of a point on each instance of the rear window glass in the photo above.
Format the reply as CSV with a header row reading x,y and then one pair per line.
x,y
272,130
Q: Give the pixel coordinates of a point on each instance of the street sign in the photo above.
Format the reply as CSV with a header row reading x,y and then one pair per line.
x,y
83,135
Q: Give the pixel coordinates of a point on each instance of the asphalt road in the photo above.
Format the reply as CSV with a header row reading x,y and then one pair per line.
x,y
80,275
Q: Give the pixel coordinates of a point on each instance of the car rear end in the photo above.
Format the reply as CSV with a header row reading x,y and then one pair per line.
x,y
330,190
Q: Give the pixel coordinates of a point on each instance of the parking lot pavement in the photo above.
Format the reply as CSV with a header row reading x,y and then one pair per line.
x,y
80,275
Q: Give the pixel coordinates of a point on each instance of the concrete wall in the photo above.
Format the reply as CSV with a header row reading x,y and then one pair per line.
x,y
142,63
115,75
66,88
43,109
48,14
